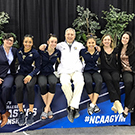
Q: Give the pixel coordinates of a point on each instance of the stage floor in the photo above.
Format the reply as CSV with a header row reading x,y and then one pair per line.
x,y
109,130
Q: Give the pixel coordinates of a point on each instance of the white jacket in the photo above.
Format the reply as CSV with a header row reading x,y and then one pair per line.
x,y
70,61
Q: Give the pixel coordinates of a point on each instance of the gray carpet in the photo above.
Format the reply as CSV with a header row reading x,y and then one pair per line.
x,y
110,130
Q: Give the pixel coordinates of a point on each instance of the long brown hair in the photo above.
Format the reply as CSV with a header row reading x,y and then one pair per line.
x,y
131,46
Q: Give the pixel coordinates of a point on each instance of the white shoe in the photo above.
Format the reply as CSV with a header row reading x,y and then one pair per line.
x,y
96,109
114,109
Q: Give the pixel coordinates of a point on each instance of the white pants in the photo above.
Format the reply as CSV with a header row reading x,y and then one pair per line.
x,y
73,97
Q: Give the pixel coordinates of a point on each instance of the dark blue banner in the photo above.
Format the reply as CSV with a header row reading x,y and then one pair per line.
x,y
104,118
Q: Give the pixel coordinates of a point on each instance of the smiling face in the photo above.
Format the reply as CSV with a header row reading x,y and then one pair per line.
x,y
8,42
91,43
28,43
52,42
125,39
70,36
107,41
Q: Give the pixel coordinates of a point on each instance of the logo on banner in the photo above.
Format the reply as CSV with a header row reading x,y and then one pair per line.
x,y
14,112
104,119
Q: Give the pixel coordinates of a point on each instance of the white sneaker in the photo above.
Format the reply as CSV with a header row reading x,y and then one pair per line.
x,y
96,109
90,109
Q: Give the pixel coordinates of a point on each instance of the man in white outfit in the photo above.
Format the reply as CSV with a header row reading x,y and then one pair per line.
x,y
69,69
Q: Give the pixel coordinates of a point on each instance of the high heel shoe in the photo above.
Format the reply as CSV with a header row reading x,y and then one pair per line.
x,y
5,118
124,115
114,109
118,106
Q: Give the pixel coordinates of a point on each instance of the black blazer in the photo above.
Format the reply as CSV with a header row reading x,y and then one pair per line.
x,y
132,62
4,65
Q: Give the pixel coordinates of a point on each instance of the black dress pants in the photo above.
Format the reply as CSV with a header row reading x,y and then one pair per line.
x,y
112,82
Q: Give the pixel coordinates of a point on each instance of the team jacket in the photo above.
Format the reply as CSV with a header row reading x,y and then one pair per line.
x,y
48,61
29,63
91,61
4,65
70,61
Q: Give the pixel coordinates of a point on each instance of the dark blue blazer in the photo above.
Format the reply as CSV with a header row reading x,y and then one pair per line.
x,y
4,65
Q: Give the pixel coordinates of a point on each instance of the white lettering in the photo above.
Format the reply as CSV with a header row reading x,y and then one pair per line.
x,y
116,117
112,118
121,118
15,113
12,121
104,119
92,120
107,119
98,117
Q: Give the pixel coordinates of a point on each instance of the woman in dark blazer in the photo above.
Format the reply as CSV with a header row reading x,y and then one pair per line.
x,y
7,72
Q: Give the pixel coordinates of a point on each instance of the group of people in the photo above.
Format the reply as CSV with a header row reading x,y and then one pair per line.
x,y
85,65
28,60
75,63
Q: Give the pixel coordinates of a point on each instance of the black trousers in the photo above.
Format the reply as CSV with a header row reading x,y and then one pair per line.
x,y
5,91
112,82
29,86
89,79
129,82
51,80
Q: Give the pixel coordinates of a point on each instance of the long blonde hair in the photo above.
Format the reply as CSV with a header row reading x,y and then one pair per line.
x,y
112,45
